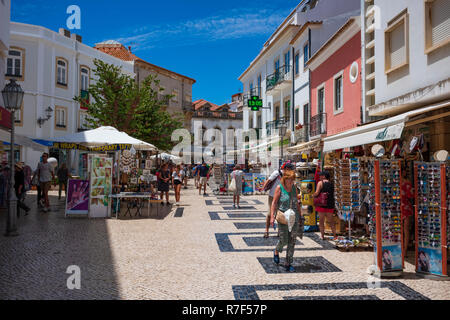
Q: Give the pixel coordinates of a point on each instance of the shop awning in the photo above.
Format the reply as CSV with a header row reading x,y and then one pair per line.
x,y
103,136
306,146
22,141
384,130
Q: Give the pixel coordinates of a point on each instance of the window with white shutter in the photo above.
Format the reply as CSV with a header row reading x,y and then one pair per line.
x,y
60,117
61,72
396,44
437,24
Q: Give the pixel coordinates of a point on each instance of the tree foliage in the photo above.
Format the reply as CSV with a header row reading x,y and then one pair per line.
x,y
117,100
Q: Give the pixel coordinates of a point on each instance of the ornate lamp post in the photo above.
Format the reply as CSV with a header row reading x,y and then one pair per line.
x,y
12,98
282,128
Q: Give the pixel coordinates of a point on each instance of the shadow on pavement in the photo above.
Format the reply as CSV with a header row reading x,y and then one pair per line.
x,y
33,265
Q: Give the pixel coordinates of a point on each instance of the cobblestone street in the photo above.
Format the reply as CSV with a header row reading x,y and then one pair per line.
x,y
204,250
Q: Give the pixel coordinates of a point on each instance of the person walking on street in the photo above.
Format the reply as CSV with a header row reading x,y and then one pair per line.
x,y
163,182
19,187
203,171
177,181
273,182
285,198
63,175
325,186
35,181
196,175
237,175
45,177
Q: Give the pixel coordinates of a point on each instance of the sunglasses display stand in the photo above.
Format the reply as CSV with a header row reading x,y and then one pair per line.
x,y
385,215
431,219
348,175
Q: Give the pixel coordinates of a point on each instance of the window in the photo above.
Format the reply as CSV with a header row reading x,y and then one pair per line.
x,y
61,72
396,44
83,120
277,65
437,24
259,122
306,114
287,58
338,93
15,64
305,53
277,112
251,89
287,109
60,117
297,115
320,99
259,85
175,95
84,78
18,116
297,62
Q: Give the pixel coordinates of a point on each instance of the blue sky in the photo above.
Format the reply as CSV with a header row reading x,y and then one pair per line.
x,y
210,41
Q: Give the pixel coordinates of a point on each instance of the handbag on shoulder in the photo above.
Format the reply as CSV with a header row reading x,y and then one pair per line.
x,y
321,200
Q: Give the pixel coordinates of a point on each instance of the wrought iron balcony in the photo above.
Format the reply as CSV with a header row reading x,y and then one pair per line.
x,y
318,125
272,127
255,92
282,75
218,114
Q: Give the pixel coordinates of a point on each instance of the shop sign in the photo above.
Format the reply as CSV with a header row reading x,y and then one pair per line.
x,y
5,118
76,146
382,134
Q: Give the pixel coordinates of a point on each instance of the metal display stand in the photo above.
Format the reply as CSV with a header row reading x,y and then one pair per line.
x,y
431,179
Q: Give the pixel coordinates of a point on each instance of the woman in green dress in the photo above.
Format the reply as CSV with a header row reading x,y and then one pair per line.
x,y
285,198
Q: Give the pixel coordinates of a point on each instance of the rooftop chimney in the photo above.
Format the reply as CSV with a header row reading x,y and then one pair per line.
x,y
76,37
129,48
64,32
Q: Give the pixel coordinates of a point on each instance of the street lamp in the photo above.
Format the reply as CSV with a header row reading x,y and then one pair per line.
x,y
282,128
12,98
48,113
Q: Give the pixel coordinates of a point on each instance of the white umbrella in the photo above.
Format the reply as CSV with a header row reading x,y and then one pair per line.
x,y
103,136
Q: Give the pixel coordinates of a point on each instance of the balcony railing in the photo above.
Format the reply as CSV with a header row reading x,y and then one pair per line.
x,y
272,127
217,114
281,75
252,93
318,125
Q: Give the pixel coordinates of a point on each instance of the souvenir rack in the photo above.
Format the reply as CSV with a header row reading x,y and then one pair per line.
x,y
388,227
431,214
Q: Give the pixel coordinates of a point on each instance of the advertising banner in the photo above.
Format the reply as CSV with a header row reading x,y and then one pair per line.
x,y
77,199
101,187
429,261
248,183
259,180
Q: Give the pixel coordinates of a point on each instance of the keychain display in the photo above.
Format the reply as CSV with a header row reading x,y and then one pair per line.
x,y
431,218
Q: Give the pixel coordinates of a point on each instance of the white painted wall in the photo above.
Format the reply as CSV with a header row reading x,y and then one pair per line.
x,y
42,46
5,9
424,70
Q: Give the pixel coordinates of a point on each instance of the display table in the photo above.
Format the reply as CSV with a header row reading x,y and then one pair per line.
x,y
139,197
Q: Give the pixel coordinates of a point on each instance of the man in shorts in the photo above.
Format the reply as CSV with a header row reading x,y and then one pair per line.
x,y
45,177
203,172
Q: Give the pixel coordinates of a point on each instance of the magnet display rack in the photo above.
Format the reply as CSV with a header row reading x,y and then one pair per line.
x,y
431,216
385,216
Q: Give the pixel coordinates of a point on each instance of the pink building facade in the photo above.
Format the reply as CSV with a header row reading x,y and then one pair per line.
x,y
336,83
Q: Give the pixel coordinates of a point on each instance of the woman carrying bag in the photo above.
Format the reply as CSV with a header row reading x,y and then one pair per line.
x,y
285,198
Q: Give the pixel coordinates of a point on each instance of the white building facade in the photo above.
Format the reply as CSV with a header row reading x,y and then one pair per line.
x,y
406,56
278,74
5,9
52,68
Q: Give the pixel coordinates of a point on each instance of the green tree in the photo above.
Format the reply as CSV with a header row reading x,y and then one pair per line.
x,y
117,100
